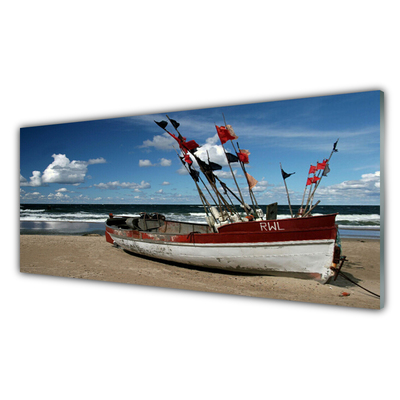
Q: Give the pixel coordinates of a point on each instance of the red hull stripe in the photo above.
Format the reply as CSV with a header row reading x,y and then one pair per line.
x,y
292,229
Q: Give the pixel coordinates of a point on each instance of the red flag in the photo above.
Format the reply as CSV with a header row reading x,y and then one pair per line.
x,y
312,180
191,145
322,165
188,159
252,182
244,156
185,146
225,134
313,169
232,132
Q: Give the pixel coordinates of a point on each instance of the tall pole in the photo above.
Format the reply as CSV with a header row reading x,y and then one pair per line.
x,y
334,150
251,194
287,193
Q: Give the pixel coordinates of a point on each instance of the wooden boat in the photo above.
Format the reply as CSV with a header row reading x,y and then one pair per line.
x,y
298,247
303,246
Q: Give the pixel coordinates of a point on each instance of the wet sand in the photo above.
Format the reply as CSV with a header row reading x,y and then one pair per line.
x,y
91,257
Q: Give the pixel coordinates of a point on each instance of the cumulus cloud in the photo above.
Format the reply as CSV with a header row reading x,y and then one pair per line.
x,y
213,151
145,163
366,187
63,190
160,142
57,196
123,185
165,183
61,170
34,181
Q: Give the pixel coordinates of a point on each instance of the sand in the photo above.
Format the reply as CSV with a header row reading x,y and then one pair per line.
x,y
91,257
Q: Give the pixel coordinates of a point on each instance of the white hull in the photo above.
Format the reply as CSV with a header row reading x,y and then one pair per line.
x,y
311,258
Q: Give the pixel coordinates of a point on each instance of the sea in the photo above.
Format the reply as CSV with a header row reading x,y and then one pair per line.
x,y
354,221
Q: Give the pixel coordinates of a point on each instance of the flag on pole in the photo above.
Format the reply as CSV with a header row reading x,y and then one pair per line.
x,y
188,159
321,165
225,134
185,146
252,181
313,169
162,124
231,158
286,175
232,132
334,146
326,170
194,174
174,123
312,180
214,166
244,156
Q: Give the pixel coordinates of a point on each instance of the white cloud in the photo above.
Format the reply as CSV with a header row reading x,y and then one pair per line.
x,y
182,171
160,142
58,196
61,170
63,190
123,185
34,181
159,191
213,151
145,163
366,187
99,160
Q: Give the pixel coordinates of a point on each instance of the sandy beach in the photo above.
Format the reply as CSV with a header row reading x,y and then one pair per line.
x,y
90,257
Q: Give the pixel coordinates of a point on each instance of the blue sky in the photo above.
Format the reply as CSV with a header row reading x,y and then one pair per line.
x,y
132,160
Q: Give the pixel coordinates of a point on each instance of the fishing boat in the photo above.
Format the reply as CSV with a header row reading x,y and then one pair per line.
x,y
249,241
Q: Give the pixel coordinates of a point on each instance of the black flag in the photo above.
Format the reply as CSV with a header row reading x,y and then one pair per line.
x,y
162,124
213,166
231,158
286,175
334,146
174,123
194,174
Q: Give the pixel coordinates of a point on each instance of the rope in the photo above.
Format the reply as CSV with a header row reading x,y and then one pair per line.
x,y
346,277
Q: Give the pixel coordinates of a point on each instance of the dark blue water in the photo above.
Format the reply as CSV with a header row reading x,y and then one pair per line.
x,y
353,220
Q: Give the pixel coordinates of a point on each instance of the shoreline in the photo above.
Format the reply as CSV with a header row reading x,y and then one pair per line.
x,y
91,257
34,227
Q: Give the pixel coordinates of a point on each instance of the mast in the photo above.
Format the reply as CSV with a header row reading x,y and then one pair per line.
x,y
287,192
326,162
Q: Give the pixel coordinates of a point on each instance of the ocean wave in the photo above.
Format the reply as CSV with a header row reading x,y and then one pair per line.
x,y
363,220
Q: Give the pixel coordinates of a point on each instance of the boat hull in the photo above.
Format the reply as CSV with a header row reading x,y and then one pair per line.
x,y
245,249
